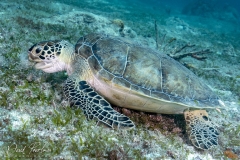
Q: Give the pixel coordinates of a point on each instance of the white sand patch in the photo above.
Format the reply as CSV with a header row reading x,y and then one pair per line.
x,y
19,119
199,157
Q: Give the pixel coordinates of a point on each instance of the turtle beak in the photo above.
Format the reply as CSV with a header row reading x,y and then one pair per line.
x,y
30,56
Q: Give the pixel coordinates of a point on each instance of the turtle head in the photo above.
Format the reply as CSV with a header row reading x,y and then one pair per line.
x,y
52,56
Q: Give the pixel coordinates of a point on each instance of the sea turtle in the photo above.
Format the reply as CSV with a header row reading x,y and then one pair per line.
x,y
105,70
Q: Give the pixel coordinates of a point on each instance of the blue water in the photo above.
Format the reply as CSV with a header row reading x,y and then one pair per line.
x,y
179,4
209,14
156,6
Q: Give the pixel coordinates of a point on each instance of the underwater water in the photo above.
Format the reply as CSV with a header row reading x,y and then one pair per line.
x,y
36,121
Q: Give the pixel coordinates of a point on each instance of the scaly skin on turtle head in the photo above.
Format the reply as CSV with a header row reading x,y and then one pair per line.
x,y
52,56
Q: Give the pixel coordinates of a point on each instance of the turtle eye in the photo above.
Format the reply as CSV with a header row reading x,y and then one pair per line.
x,y
30,49
38,50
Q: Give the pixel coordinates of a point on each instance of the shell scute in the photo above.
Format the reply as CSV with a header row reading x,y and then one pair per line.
x,y
144,71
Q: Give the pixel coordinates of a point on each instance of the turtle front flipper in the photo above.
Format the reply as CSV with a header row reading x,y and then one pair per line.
x,y
201,130
94,106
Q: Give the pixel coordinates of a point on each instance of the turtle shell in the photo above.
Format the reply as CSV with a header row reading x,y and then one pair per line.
x,y
137,77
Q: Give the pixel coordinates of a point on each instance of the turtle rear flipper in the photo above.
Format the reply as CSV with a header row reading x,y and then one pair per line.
x,y
94,106
201,130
